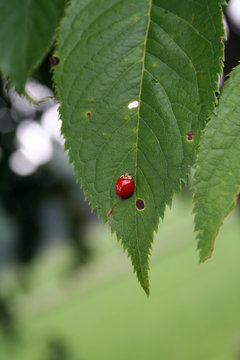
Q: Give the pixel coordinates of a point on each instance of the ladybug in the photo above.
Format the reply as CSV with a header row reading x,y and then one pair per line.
x,y
125,186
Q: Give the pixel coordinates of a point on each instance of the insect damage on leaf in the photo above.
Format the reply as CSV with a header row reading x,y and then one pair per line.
x,y
189,136
140,204
147,68
133,105
53,60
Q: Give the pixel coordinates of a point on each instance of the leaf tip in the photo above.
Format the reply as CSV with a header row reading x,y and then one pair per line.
x,y
205,257
144,282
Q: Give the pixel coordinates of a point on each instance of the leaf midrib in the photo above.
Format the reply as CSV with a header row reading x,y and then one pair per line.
x,y
137,135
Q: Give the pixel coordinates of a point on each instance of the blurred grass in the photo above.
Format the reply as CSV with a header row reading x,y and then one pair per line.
x,y
101,312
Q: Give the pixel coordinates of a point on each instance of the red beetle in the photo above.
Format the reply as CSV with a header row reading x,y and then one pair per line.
x,y
125,186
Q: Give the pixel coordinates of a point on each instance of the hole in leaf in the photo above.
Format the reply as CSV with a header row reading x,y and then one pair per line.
x,y
133,104
140,204
189,136
53,60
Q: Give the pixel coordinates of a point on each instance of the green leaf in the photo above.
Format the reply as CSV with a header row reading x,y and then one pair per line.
x,y
217,178
164,54
27,28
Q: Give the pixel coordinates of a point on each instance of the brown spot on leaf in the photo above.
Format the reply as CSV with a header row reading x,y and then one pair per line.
x,y
189,136
140,205
53,60
109,213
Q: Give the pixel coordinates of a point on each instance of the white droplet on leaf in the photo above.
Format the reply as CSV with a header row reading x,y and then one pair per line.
x,y
133,104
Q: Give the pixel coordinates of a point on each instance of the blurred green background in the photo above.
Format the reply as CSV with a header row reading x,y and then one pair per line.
x,y
100,311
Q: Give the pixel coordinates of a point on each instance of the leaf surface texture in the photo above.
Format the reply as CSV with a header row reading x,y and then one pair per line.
x,y
217,179
27,29
164,54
